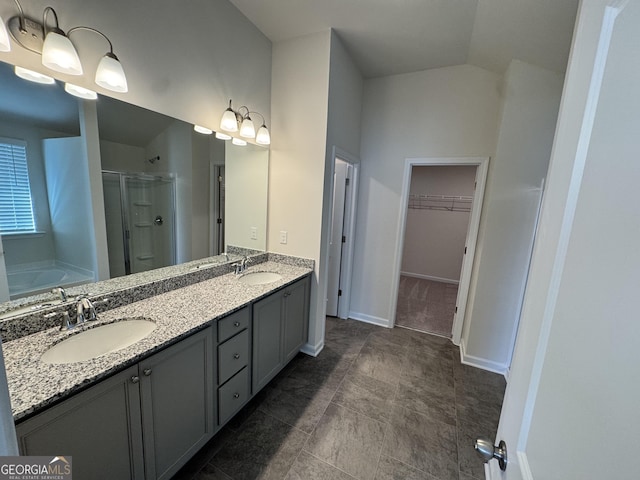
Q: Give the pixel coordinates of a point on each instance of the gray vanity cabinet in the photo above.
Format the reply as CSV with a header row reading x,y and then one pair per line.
x,y
280,329
178,404
100,428
153,416
295,318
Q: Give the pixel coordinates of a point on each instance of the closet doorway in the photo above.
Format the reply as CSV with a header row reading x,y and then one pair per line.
x,y
442,199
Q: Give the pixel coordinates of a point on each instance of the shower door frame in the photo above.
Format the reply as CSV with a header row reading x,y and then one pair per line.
x,y
126,236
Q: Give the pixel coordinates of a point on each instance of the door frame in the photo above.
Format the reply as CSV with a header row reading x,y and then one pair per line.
x,y
482,164
348,249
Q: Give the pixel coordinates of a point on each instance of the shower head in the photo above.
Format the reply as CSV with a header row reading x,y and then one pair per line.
x,y
154,159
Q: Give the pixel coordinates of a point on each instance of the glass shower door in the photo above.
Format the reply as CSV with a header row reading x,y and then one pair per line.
x,y
145,237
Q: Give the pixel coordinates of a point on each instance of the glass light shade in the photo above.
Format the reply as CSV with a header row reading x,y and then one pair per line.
x,y
223,136
59,54
110,74
228,122
80,92
263,137
239,142
247,130
5,44
202,130
33,76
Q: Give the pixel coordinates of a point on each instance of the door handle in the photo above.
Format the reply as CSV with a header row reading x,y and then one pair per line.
x,y
487,451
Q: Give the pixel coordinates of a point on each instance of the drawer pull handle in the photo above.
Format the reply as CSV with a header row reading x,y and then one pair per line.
x,y
135,379
236,324
147,372
236,356
236,395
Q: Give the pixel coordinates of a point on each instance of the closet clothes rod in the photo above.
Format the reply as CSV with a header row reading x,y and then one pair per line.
x,y
449,203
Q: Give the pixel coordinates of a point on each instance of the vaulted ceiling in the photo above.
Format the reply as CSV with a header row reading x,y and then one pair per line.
x,y
387,37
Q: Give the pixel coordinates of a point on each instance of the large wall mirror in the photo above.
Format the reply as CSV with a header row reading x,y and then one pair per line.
x,y
103,189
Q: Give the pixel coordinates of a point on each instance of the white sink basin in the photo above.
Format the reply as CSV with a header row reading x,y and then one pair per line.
x,y
99,341
259,278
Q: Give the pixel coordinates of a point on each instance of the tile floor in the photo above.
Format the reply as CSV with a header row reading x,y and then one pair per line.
x,y
377,403
426,305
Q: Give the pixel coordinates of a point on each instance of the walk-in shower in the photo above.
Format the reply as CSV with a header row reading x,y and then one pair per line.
x,y
140,219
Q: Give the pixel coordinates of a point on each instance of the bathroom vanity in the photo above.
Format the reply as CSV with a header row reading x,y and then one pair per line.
x,y
143,411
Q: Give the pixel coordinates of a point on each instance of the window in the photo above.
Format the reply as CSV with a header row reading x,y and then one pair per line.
x,y
16,212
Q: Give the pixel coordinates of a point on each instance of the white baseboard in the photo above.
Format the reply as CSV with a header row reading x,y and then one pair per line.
x,y
431,277
363,317
313,350
482,363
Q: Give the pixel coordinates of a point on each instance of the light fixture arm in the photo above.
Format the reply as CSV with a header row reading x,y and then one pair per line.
x,y
95,31
44,21
21,17
261,116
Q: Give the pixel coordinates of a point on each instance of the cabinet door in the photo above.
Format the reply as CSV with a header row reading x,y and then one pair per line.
x,y
176,387
99,428
267,346
296,318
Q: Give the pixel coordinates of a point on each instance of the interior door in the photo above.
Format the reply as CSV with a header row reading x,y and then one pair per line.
x,y
571,405
335,242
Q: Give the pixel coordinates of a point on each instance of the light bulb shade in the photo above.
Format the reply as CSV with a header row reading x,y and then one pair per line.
x,y
247,130
59,54
110,74
223,136
239,142
32,76
228,122
80,92
202,130
5,44
263,137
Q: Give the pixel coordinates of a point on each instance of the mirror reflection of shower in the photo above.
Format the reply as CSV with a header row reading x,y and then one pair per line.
x,y
140,218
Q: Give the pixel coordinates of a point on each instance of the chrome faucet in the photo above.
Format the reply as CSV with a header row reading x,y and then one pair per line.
x,y
85,310
241,266
60,292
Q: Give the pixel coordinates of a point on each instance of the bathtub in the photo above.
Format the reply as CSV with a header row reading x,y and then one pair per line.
x,y
32,280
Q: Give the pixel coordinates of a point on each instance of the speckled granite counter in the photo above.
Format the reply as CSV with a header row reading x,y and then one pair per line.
x,y
34,385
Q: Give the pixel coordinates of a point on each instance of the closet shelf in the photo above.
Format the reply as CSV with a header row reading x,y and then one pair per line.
x,y
449,203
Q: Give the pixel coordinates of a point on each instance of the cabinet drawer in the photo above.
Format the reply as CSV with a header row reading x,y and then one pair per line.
x,y
234,323
233,395
232,356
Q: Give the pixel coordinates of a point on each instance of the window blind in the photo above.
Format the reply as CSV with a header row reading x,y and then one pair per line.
x,y
16,211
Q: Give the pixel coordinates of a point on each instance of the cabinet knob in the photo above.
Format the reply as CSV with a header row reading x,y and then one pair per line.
x,y
135,379
236,324
286,294
236,356
236,395
147,372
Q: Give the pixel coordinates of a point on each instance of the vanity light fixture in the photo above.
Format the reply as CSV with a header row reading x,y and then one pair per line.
x,y
58,52
80,92
207,131
222,136
32,76
202,130
239,142
240,120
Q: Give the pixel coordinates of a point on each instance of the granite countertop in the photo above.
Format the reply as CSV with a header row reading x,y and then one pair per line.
x,y
34,384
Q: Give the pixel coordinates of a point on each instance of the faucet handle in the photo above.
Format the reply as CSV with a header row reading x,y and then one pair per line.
x,y
60,292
